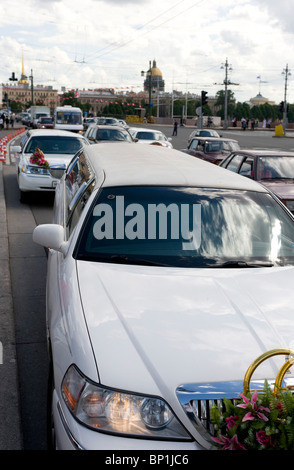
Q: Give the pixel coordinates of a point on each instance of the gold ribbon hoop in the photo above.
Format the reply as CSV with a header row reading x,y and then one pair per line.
x,y
263,357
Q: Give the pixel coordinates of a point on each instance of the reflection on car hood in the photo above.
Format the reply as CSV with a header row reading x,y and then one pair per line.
x,y
154,328
163,143
284,189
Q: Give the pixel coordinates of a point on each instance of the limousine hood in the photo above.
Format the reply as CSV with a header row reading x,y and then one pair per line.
x,y
55,160
154,328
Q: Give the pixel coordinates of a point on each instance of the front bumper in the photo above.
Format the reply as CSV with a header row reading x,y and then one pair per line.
x,y
29,182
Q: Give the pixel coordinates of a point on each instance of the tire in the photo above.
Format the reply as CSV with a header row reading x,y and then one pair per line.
x,y
24,196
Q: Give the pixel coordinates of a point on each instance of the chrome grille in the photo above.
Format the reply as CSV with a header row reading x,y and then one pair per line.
x,y
198,399
57,172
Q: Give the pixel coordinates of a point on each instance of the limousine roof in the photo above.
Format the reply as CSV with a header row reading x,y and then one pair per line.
x,y
129,164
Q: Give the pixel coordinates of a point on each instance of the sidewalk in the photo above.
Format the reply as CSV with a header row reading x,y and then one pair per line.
x,y
10,426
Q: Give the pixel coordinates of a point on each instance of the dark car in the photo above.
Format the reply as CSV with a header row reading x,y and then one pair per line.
x,y
273,169
96,134
211,149
88,122
45,122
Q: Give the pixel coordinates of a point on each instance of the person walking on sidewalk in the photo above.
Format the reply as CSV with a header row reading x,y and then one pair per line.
x,y
175,131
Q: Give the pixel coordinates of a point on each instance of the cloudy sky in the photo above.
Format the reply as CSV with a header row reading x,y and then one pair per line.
x,y
91,44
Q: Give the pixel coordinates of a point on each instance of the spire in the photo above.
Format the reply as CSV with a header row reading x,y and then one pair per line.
x,y
22,68
23,79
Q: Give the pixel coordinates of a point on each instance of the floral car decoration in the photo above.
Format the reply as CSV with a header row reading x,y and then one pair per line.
x,y
38,159
260,420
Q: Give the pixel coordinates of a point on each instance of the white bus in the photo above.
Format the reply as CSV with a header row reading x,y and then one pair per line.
x,y
68,118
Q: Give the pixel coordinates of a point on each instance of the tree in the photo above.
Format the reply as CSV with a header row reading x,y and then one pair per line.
x,y
220,102
15,106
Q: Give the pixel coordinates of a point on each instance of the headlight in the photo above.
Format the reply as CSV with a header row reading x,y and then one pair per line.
x,y
119,412
35,170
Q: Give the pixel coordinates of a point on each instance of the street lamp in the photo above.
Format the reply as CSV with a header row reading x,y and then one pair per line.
x,y
32,87
226,66
285,72
148,74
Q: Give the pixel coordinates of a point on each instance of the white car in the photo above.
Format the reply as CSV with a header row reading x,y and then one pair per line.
x,y
203,133
150,136
58,148
152,319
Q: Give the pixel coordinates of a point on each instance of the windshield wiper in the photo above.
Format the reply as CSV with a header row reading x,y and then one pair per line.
x,y
244,264
123,259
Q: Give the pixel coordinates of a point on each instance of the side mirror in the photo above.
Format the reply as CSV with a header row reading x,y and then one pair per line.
x,y
16,149
50,236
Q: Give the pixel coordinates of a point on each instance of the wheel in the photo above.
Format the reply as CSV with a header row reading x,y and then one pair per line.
x,y
24,197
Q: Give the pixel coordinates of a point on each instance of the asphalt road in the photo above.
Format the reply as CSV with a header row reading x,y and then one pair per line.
x,y
257,139
28,276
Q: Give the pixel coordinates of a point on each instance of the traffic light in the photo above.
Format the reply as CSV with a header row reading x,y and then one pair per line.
x,y
281,108
203,98
13,78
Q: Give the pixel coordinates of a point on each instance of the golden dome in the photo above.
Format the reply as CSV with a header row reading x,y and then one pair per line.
x,y
155,72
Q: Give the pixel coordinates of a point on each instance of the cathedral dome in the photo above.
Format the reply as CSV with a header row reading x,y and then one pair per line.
x,y
155,72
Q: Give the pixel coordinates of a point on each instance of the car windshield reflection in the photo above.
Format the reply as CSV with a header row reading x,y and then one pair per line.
x,y
187,227
54,144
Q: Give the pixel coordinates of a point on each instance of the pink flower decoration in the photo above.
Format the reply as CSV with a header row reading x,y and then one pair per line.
x,y
231,421
38,159
229,443
264,439
251,415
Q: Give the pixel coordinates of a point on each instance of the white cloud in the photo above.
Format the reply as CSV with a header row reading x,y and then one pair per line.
x,y
96,43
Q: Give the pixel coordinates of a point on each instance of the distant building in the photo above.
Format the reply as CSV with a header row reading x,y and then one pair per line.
x,y
156,82
23,93
258,100
97,98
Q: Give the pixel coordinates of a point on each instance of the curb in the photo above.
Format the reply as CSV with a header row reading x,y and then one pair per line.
x,y
10,422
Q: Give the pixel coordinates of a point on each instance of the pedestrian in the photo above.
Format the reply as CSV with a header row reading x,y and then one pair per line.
x,y
3,120
243,124
7,121
175,131
12,119
264,123
252,123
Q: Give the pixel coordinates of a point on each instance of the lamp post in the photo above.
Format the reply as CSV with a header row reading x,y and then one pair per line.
x,y
32,87
148,74
285,72
226,66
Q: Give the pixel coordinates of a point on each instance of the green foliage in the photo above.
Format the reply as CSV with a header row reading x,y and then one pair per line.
x,y
260,421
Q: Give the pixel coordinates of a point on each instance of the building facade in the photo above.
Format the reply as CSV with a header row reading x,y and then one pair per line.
x,y
26,93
